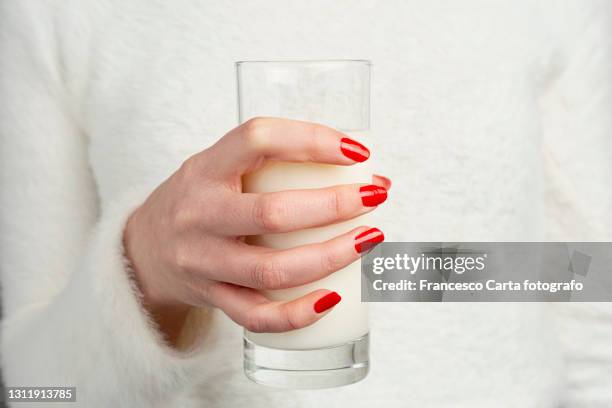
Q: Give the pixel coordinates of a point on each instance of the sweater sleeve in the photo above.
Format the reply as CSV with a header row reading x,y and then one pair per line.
x,y
71,312
577,124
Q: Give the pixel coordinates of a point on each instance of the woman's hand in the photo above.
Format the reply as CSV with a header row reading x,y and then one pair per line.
x,y
185,246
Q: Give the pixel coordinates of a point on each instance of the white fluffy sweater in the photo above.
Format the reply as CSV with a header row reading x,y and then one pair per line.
x,y
493,118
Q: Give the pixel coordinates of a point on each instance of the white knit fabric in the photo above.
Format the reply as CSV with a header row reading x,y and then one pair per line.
x,y
493,119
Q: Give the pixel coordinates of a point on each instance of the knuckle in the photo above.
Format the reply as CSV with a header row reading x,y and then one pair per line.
x,y
289,318
182,257
188,167
334,204
253,322
330,262
268,274
269,213
183,216
182,210
256,132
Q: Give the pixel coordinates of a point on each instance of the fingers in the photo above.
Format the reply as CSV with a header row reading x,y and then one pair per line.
x,y
383,181
263,268
293,210
256,313
245,148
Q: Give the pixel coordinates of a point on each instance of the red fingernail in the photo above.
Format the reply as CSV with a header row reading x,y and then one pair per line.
x,y
354,150
368,239
327,302
372,195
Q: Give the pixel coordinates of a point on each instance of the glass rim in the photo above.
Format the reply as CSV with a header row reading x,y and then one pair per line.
x,y
305,61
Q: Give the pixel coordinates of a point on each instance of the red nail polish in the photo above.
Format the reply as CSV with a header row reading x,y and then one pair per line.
x,y
327,302
368,239
372,195
354,150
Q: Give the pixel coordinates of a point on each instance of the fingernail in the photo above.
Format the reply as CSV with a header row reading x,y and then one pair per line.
x,y
354,150
327,302
368,239
372,195
386,180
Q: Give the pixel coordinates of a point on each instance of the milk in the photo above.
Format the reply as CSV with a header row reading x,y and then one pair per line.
x,y
349,319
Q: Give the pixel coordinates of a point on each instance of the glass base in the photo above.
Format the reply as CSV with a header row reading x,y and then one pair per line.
x,y
307,369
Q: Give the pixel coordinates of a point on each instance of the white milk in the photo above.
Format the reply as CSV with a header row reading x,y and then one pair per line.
x,y
348,320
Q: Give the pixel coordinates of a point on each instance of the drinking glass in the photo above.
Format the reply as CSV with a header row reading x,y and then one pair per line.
x,y
333,351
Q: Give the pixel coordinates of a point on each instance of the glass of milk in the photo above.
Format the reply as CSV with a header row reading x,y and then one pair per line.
x,y
333,351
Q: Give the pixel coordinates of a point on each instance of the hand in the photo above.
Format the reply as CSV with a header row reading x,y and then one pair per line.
x,y
185,241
